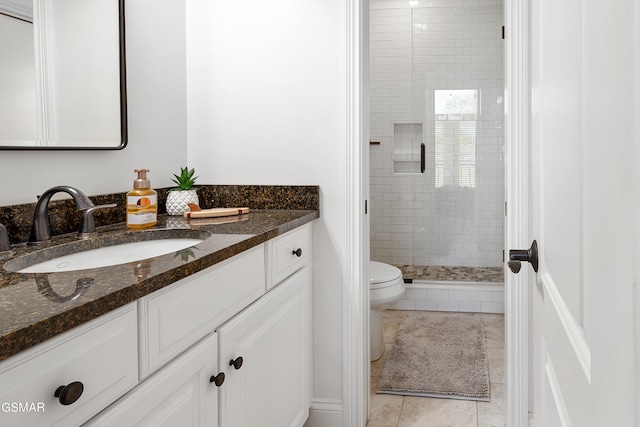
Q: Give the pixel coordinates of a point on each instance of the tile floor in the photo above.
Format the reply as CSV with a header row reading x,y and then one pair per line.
x,y
408,411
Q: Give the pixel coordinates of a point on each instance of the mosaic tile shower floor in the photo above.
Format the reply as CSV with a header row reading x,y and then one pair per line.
x,y
446,273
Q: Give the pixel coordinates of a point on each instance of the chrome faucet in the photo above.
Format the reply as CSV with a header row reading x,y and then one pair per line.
x,y
41,230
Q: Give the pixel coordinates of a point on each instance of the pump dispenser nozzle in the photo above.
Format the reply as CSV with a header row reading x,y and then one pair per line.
x,y
142,181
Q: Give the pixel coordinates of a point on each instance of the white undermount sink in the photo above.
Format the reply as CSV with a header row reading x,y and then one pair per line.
x,y
104,256
111,255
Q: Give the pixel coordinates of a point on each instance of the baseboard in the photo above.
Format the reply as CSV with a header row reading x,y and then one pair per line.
x,y
473,297
325,413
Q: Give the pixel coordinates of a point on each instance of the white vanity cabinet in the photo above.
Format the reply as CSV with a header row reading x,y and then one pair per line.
x,y
192,330
229,346
101,355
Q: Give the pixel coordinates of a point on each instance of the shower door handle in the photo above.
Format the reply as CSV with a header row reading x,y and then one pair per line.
x,y
422,161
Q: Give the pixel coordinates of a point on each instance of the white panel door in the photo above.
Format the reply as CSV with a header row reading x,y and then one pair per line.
x,y
582,125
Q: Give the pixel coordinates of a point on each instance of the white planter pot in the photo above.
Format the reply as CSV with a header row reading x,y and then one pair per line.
x,y
178,201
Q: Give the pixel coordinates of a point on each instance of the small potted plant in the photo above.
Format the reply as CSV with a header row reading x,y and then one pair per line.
x,y
178,198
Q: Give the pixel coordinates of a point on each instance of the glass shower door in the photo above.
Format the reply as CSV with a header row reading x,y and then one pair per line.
x,y
457,99
436,111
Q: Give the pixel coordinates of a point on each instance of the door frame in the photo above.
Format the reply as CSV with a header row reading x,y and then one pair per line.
x,y
517,225
355,296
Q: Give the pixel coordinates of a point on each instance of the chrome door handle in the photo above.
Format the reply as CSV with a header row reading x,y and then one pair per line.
x,y
529,255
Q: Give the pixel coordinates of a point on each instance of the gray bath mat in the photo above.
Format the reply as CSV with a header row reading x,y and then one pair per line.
x,y
438,355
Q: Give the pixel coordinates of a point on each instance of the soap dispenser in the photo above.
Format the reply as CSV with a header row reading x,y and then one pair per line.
x,y
142,203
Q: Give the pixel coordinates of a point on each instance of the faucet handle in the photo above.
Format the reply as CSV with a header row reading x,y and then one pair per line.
x,y
5,244
87,223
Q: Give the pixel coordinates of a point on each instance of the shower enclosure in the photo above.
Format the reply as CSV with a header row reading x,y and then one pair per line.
x,y
436,114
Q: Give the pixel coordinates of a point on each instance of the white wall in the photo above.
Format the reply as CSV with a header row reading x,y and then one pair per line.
x,y
266,105
435,45
156,78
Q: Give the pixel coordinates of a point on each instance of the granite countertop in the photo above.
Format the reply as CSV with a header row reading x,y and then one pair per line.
x,y
35,307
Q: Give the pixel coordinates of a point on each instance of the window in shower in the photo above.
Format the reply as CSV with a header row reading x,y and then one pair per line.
x,y
456,114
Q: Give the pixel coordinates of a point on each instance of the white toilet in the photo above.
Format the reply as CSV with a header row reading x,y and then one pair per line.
x,y
386,288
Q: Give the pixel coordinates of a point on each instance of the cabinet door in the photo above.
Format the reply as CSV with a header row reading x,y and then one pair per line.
x,y
271,388
181,394
98,359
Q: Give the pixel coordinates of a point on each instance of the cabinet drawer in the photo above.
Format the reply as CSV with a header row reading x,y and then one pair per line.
x,y
102,355
174,318
287,254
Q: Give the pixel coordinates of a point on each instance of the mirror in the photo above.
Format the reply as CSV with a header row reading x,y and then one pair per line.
x,y
62,75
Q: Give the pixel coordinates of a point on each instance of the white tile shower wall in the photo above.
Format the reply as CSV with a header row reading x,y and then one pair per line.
x,y
436,45
453,296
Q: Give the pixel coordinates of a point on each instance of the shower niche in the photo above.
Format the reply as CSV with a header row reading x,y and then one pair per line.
x,y
406,137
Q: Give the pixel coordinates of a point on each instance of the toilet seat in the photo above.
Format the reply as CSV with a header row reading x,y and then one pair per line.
x,y
383,275
385,285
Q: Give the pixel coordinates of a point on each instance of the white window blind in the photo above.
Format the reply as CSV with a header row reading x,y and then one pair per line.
x,y
456,113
